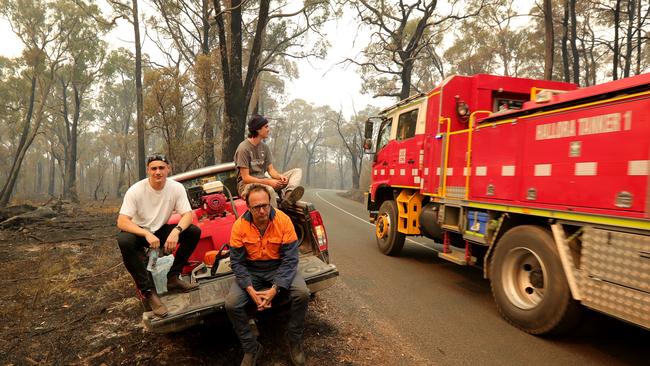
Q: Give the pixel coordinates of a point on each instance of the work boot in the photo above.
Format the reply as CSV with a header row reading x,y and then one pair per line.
x,y
153,302
291,197
250,359
296,352
176,284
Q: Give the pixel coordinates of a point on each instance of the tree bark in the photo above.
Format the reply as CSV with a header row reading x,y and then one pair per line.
x,y
628,38
142,169
549,41
121,179
339,162
615,55
71,127
51,176
208,126
639,38
405,76
237,91
565,39
354,161
39,177
574,47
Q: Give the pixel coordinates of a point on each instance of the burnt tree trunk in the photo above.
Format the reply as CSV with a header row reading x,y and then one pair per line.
x,y
615,54
405,76
237,91
39,177
565,40
639,38
70,176
142,169
628,38
548,40
574,46
121,179
51,176
208,124
339,163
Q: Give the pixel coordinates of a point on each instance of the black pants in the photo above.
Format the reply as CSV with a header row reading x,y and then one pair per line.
x,y
133,254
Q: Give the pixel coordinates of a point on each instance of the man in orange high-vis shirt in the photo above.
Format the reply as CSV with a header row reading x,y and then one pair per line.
x,y
264,253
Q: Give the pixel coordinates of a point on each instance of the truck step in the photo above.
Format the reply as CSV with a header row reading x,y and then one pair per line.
x,y
458,257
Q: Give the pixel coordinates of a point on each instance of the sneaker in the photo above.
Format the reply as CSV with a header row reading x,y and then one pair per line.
x,y
153,302
250,359
176,284
292,197
297,353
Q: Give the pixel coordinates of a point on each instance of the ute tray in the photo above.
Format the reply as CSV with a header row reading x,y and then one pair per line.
x,y
188,309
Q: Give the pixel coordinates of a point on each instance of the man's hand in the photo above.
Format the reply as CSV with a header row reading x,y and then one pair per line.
x,y
275,183
266,296
254,295
153,240
284,179
172,240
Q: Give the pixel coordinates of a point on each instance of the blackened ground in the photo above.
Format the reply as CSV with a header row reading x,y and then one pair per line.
x,y
67,299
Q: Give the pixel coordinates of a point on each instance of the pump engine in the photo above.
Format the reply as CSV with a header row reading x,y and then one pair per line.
x,y
214,204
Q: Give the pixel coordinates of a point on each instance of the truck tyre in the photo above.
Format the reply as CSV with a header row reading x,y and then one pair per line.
x,y
389,240
529,285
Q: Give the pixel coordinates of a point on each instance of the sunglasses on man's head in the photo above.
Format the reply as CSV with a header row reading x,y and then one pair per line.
x,y
157,157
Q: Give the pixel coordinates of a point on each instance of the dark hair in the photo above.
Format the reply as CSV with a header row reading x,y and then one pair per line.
x,y
255,187
255,123
159,157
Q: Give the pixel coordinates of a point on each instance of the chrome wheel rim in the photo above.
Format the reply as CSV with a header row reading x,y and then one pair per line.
x,y
524,278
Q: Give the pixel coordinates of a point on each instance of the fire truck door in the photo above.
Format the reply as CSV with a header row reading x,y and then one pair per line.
x,y
407,149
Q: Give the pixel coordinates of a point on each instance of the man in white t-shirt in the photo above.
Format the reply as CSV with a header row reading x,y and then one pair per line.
x,y
143,217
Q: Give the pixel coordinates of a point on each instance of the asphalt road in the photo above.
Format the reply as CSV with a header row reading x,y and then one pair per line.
x,y
444,313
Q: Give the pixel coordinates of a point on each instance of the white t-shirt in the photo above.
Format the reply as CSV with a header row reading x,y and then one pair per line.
x,y
151,209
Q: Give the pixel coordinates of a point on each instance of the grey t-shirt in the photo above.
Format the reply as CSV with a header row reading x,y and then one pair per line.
x,y
256,158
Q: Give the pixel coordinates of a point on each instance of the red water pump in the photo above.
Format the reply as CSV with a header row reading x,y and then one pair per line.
x,y
214,204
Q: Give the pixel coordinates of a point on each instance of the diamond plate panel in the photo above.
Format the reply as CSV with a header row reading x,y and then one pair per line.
x,y
455,192
616,274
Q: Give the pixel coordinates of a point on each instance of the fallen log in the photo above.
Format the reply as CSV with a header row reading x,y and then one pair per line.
x,y
39,213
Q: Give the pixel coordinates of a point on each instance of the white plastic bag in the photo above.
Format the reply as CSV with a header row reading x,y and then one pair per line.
x,y
159,273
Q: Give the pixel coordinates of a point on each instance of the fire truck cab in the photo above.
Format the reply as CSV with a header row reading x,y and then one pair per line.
x,y
540,183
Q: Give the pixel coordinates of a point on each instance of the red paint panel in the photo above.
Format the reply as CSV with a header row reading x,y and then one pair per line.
x,y
432,154
493,148
384,160
399,156
432,146
457,160
609,136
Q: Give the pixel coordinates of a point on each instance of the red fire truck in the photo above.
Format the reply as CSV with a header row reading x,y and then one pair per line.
x,y
542,184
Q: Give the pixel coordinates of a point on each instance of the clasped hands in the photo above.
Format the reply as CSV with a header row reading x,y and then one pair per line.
x,y
279,183
262,298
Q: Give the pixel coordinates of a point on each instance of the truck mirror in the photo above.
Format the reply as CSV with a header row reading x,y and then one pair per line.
x,y
368,131
367,145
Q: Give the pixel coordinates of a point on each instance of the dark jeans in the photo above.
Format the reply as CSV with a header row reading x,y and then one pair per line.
x,y
133,254
238,298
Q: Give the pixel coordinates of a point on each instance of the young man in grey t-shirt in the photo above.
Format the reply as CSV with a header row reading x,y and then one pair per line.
x,y
253,159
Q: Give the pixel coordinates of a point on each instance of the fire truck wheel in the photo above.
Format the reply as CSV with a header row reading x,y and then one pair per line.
x,y
528,282
389,240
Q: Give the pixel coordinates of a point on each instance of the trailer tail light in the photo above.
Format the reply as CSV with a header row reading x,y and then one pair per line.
x,y
319,230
